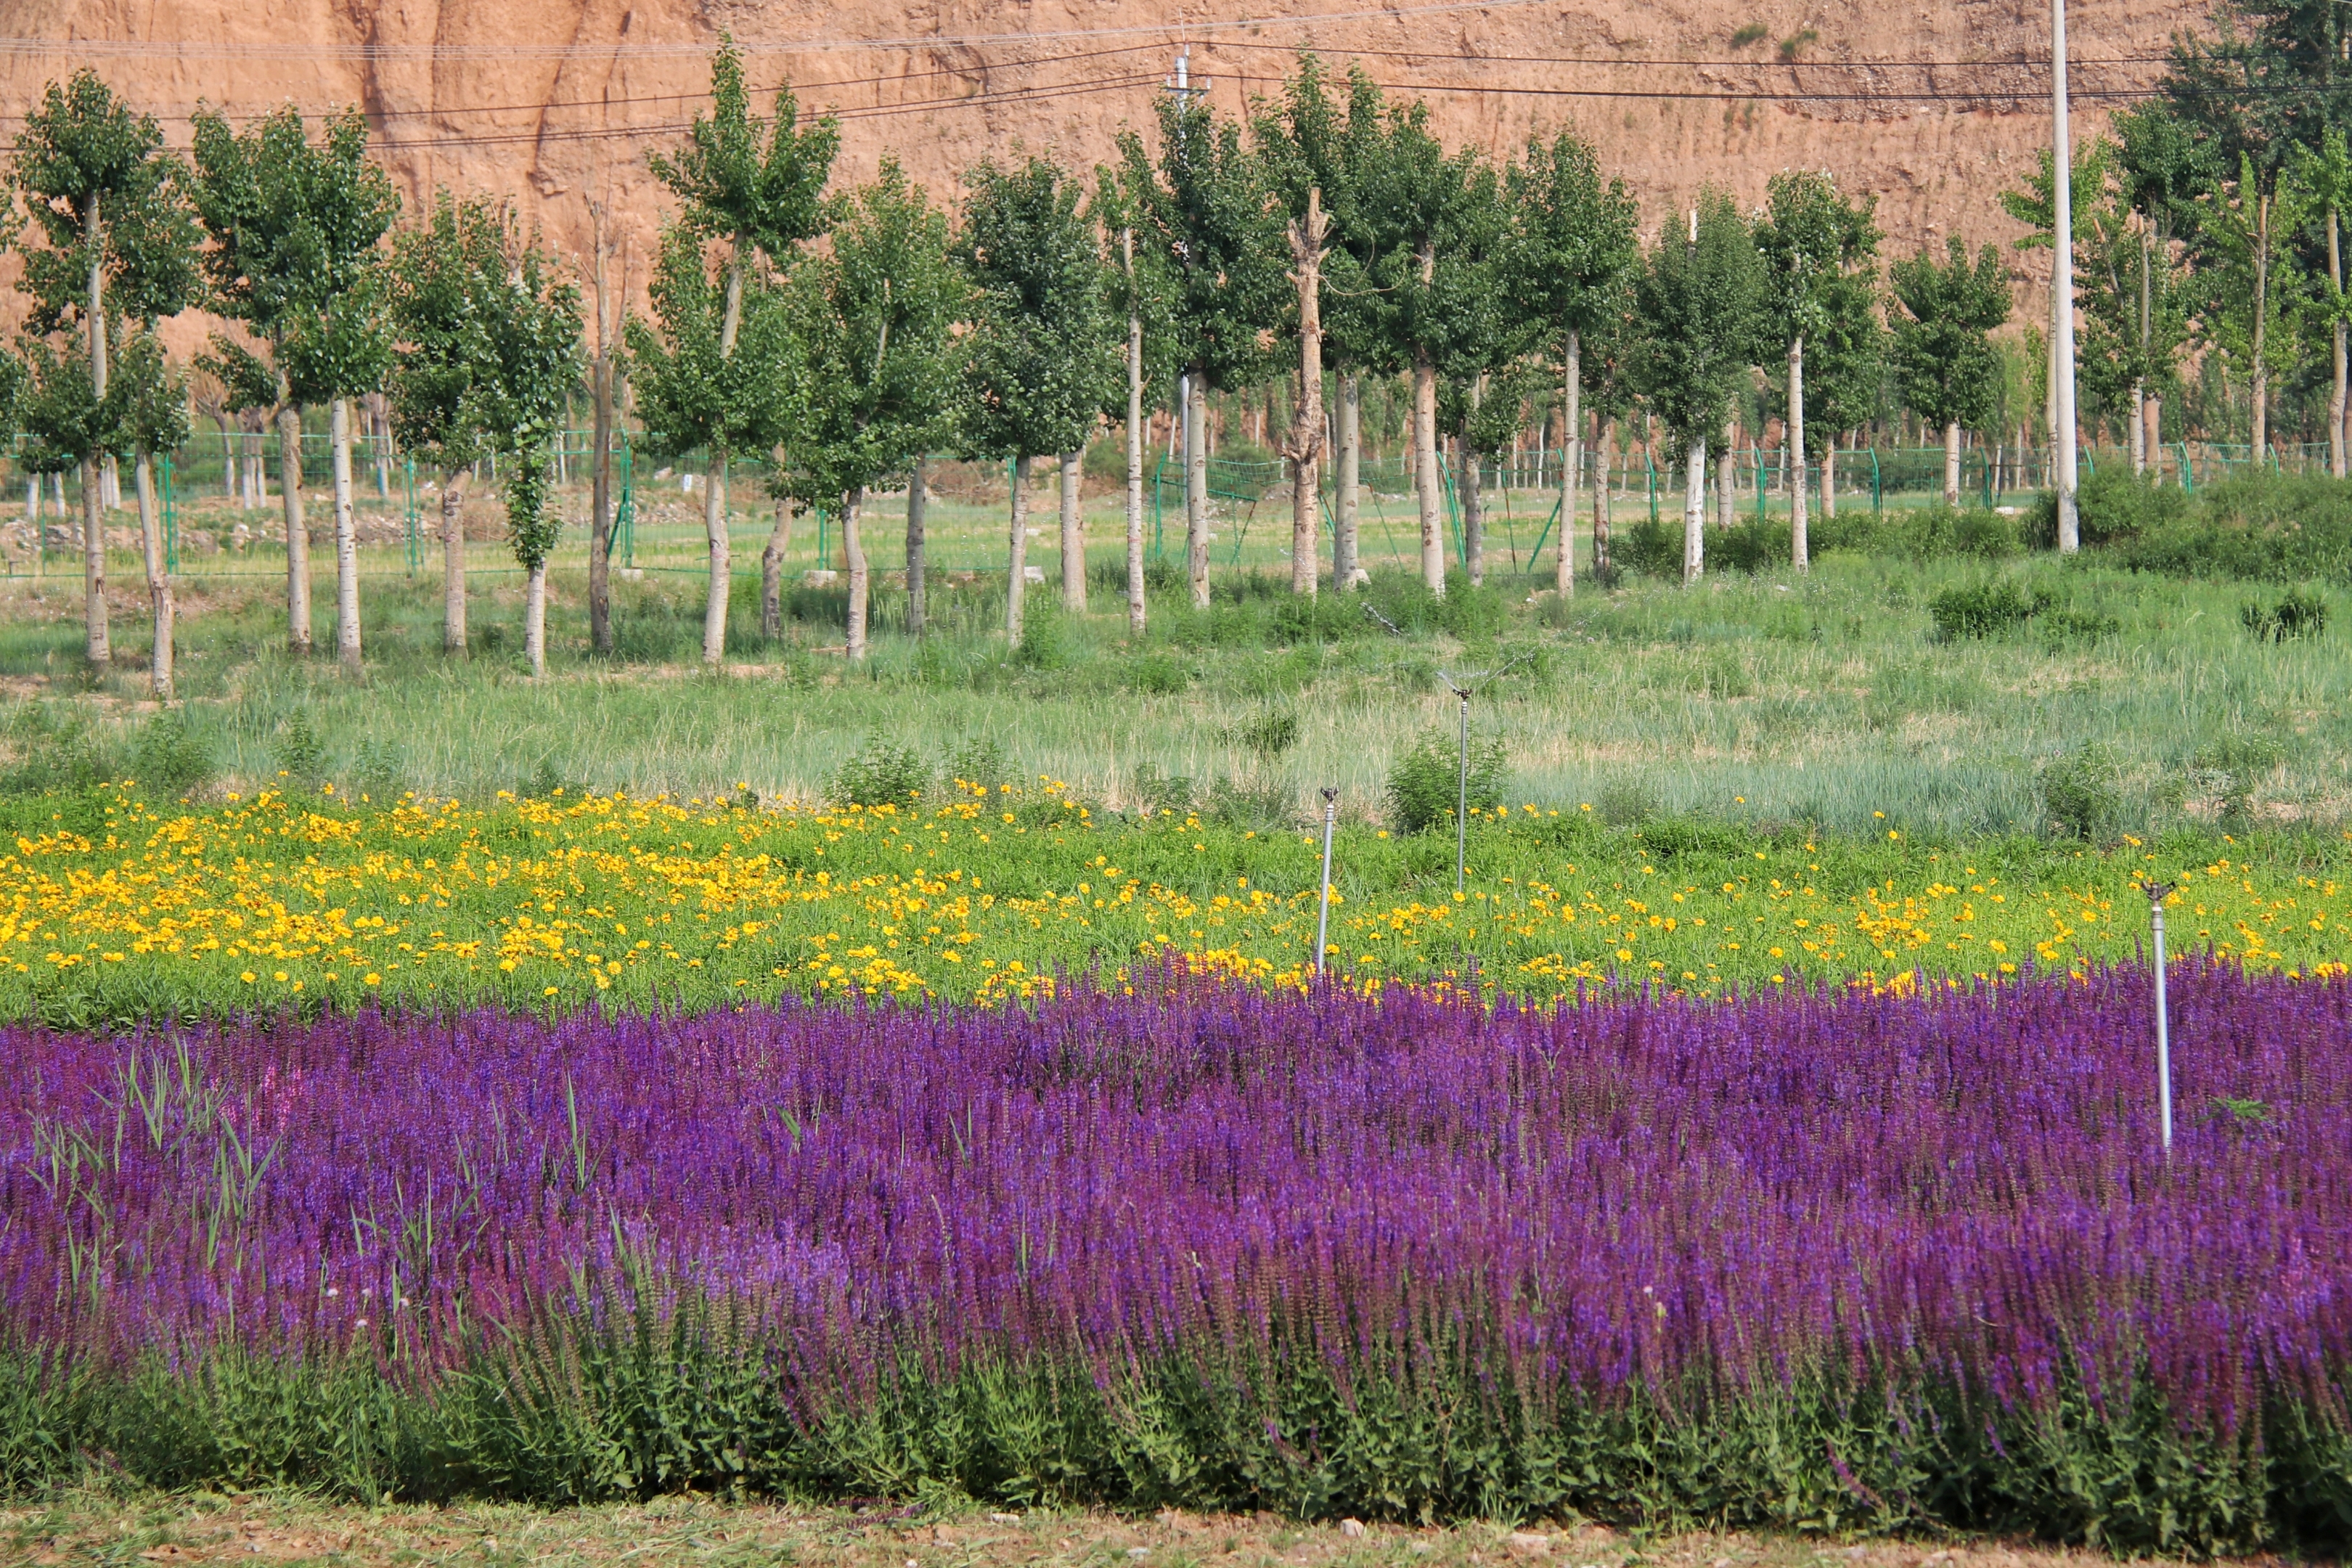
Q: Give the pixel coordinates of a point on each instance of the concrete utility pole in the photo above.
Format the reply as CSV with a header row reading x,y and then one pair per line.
x,y
2061,281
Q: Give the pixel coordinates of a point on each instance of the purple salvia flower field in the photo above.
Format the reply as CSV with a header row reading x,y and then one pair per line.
x,y
1629,1200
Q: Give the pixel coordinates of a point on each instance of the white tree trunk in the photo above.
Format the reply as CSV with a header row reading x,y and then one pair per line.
x,y
1474,513
298,534
347,554
1952,463
1074,535
534,620
1196,494
1427,479
1727,486
1604,498
772,571
1828,483
1801,554
1694,512
159,581
1135,605
1016,556
714,530
1345,570
453,561
1571,464
853,539
95,644
917,582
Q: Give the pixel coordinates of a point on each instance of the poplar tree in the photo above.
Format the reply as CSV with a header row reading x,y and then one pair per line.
x,y
2162,167
1701,304
1138,292
714,378
1301,145
1811,240
1205,209
450,277
1040,357
538,337
1422,206
2327,175
296,229
110,243
1944,363
2251,287
870,319
1578,242
756,188
1845,371
1317,143
488,349
1483,335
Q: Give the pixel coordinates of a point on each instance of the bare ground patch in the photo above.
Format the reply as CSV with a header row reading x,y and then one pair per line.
x,y
285,1529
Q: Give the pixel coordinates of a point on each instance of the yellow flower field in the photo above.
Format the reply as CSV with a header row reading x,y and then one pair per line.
x,y
272,901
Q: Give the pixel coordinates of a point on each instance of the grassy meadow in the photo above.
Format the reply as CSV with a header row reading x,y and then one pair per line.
x,y
1831,700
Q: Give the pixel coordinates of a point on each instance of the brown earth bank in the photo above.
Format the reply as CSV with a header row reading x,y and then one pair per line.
x,y
192,1529
1933,106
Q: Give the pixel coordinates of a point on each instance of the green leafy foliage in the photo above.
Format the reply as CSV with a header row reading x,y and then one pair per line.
x,y
1202,208
296,256
2297,614
882,773
1427,782
692,391
763,200
85,154
677,1391
1986,608
2082,792
1043,352
1702,312
1943,356
870,323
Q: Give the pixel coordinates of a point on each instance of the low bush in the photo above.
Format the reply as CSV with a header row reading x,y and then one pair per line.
x,y
1426,782
2082,792
880,774
1984,609
2296,615
1269,733
1048,642
2266,527
981,762
1648,549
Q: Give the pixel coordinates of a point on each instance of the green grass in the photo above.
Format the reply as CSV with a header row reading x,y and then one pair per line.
x,y
1826,700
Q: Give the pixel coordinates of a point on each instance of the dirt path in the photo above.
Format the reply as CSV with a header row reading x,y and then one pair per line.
x,y
151,1528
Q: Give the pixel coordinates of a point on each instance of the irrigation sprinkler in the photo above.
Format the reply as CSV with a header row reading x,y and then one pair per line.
x,y
1466,686
1323,907
1462,781
2157,893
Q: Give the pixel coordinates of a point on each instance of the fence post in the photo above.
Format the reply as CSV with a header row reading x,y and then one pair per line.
x,y
1877,491
1757,449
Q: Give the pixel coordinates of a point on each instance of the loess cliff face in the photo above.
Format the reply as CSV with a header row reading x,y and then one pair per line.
x,y
554,102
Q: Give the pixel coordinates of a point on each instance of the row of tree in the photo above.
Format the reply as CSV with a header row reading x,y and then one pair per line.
x,y
832,340
469,326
